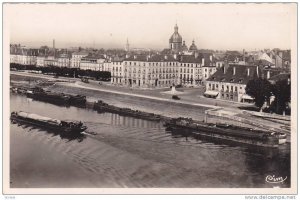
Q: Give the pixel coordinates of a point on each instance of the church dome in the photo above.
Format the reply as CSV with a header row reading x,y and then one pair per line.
x,y
176,37
193,47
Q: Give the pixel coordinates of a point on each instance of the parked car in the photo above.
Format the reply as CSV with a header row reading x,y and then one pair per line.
x,y
175,97
85,80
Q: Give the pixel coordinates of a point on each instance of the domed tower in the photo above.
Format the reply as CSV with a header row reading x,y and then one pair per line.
x,y
175,40
184,47
193,47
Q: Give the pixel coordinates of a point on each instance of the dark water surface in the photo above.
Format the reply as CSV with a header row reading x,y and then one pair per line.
x,y
129,152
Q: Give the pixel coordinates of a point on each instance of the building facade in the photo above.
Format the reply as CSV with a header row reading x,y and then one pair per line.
x,y
150,71
76,58
92,62
229,83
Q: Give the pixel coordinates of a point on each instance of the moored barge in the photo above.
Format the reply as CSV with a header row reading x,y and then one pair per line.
x,y
56,98
62,126
228,132
47,96
102,106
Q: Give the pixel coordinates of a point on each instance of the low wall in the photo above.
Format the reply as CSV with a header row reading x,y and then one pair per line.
x,y
215,116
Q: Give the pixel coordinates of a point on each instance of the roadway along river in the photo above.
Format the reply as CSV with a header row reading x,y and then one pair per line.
x,y
129,152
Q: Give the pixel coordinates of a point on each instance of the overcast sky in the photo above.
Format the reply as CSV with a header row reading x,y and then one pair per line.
x,y
213,26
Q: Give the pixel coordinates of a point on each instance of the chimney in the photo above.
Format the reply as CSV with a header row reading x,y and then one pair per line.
x,y
268,74
127,55
210,58
248,71
196,54
134,57
233,70
166,57
226,65
175,56
244,55
257,71
202,62
54,47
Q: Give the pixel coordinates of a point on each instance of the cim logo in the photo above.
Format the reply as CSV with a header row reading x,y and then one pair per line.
x,y
274,179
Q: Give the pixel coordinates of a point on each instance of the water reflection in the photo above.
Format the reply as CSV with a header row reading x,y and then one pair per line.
x,y
130,152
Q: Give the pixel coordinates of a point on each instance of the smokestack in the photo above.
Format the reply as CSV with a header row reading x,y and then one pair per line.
x,y
268,74
54,47
257,71
244,55
226,65
248,72
233,70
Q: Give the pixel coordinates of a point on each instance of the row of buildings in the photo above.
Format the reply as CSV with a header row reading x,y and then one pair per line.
x,y
224,74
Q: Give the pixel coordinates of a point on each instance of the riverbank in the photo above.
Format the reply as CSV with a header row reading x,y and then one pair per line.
x,y
155,100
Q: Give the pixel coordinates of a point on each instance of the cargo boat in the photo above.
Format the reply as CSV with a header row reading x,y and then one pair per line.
x,y
47,96
101,106
228,132
47,123
56,98
77,100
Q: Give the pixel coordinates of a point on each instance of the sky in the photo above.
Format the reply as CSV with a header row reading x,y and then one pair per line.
x,y
103,25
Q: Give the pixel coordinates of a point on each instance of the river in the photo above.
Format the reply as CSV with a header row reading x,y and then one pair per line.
x,y
129,152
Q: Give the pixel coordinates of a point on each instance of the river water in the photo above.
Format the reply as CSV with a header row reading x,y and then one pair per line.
x,y
129,152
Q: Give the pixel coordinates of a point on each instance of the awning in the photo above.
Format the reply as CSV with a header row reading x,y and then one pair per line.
x,y
247,97
211,93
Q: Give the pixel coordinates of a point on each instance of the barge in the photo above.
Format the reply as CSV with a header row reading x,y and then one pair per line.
x,y
47,96
227,132
47,123
77,100
104,107
56,98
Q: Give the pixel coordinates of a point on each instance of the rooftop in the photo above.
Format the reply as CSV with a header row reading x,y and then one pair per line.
x,y
240,76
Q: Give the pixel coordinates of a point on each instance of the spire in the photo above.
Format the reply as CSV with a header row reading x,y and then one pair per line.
x,y
127,45
176,28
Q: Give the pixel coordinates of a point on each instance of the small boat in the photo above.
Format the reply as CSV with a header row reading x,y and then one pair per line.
x,y
228,132
48,123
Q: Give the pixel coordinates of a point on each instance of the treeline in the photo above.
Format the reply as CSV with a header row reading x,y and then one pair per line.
x,y
262,91
65,71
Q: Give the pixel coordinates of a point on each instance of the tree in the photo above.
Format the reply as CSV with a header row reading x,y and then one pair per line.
x,y
282,93
259,89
